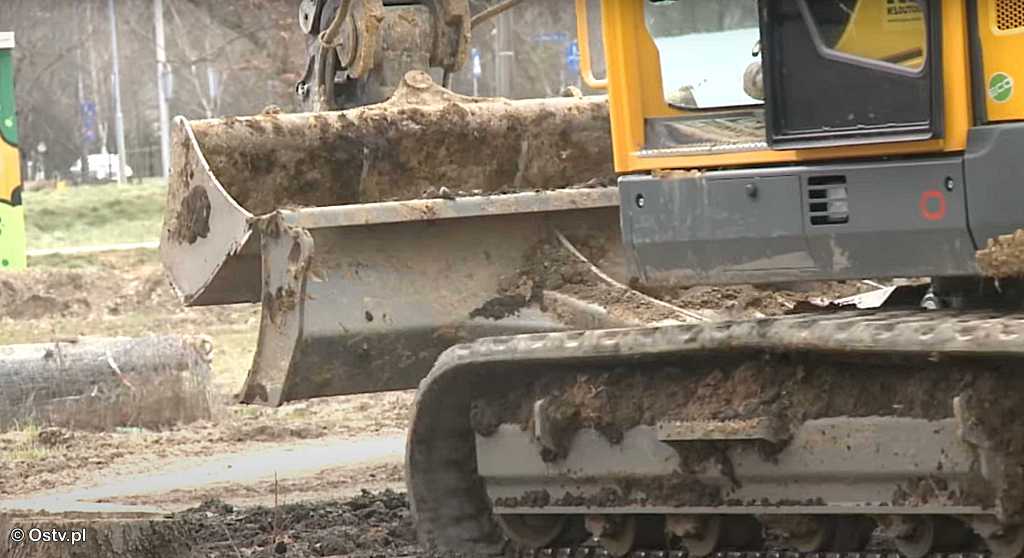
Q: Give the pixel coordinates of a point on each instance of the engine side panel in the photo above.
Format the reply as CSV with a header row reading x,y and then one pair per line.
x,y
828,222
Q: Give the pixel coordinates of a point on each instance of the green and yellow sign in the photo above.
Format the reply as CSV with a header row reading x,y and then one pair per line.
x,y
12,213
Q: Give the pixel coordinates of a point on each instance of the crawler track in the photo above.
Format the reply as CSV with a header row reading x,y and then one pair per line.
x,y
450,499
593,552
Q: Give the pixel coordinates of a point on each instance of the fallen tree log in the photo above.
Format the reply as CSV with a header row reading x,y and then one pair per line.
x,y
106,535
422,139
100,383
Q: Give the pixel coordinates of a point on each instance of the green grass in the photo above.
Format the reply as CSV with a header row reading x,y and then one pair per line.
x,y
94,215
107,260
26,446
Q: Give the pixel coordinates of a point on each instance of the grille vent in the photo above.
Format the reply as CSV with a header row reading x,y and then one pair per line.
x,y
827,201
1009,15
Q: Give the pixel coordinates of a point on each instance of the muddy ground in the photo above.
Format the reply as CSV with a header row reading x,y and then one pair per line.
x,y
127,294
369,524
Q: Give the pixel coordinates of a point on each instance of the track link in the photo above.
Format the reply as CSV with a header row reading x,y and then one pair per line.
x,y
593,552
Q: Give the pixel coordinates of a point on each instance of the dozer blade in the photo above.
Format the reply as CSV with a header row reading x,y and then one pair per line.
x,y
359,292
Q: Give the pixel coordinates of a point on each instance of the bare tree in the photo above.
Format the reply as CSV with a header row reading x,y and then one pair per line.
x,y
252,50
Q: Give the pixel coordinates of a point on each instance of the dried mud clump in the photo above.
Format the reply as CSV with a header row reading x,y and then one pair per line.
x,y
787,391
989,408
675,490
193,219
1003,257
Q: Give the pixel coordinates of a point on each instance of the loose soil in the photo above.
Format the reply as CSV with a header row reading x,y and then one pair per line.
x,y
376,153
550,267
127,294
370,524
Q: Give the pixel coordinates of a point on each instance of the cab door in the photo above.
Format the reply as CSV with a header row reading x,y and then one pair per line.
x,y
846,72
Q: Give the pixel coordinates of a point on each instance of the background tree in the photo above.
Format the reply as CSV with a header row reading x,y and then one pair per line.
x,y
233,57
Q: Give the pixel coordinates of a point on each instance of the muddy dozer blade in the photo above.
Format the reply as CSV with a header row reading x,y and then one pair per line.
x,y
360,293
363,298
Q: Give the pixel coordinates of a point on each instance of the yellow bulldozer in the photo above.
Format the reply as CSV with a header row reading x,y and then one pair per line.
x,y
489,253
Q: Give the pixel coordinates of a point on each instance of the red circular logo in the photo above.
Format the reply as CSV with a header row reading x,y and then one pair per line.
x,y
933,205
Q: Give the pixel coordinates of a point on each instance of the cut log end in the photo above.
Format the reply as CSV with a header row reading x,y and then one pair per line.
x,y
101,535
101,383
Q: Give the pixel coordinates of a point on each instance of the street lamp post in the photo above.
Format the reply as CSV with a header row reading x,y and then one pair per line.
x,y
161,87
122,152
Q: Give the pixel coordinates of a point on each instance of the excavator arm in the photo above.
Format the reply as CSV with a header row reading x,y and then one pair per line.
x,y
358,50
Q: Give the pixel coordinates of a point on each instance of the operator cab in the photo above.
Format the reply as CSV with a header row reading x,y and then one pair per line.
x,y
761,141
793,74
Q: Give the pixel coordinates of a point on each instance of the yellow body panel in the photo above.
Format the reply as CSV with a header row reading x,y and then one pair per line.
x,y
635,91
1001,33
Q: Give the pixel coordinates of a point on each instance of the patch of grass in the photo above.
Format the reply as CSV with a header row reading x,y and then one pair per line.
x,y
101,260
23,445
95,215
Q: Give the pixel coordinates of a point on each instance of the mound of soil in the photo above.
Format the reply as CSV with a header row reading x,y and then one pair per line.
x,y
551,267
37,294
424,138
370,524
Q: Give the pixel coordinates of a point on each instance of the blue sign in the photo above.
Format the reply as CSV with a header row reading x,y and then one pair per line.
x,y
478,68
572,57
89,121
558,37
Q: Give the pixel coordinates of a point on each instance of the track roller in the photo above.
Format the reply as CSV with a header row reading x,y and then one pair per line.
x,y
619,534
532,531
918,536
1002,541
817,533
702,535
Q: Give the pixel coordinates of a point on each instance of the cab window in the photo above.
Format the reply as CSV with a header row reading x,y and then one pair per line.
x,y
889,34
705,47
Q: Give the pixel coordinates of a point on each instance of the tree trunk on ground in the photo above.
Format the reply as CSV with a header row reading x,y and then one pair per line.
x,y
107,536
422,139
97,383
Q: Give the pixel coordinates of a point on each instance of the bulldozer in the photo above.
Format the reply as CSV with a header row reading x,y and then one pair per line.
x,y
753,142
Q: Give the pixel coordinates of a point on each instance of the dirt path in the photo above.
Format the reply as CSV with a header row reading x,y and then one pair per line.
x,y
253,475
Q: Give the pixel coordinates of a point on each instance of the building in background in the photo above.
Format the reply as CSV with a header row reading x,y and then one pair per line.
x,y
12,213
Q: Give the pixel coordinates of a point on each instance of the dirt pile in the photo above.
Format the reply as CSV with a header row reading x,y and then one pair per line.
x,y
423,139
370,524
37,294
552,267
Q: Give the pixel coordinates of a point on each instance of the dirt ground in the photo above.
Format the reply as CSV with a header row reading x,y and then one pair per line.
x,y
127,294
304,513
369,524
